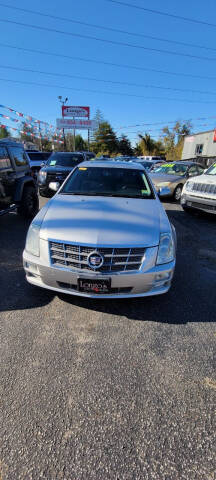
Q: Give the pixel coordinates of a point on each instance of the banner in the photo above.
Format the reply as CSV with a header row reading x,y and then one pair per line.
x,y
76,124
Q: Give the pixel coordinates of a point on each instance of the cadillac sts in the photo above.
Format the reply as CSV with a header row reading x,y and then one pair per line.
x,y
104,234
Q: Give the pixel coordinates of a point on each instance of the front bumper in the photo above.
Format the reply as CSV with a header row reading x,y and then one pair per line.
x,y
150,280
198,203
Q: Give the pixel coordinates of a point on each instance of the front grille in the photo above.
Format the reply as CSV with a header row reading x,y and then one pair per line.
x,y
75,257
53,177
204,188
68,286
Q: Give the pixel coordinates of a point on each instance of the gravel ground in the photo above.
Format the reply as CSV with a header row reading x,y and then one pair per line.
x,y
116,390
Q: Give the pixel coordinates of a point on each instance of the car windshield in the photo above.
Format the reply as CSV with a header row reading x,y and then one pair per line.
x,y
147,164
171,169
64,160
108,182
211,170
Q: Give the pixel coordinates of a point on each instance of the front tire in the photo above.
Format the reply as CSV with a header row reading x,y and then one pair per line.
x,y
29,204
177,193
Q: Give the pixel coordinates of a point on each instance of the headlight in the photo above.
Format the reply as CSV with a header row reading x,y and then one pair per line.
x,y
32,240
189,186
166,250
163,184
42,176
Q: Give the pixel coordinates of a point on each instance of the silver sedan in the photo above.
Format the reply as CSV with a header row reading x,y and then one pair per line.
x,y
104,234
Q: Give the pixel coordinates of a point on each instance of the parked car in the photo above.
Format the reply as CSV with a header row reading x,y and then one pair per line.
x,y
173,176
104,234
18,189
37,160
57,168
151,165
200,193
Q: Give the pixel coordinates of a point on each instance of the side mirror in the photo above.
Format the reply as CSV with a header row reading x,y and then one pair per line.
x,y
164,192
54,186
43,164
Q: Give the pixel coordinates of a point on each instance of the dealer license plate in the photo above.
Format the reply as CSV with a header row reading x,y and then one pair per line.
x,y
94,285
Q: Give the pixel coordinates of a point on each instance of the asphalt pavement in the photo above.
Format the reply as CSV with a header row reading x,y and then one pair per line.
x,y
120,390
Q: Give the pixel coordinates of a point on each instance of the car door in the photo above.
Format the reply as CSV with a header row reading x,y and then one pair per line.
x,y
7,179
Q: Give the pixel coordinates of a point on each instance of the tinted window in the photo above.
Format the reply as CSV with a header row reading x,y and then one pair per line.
x,y
4,158
19,156
116,182
64,159
38,156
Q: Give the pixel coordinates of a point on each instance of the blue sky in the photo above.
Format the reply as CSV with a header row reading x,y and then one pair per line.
x,y
163,106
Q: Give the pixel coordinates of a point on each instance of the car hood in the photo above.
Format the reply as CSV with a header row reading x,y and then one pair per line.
x,y
165,178
210,179
104,221
58,168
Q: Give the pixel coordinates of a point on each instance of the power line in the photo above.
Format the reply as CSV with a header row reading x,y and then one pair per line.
x,y
113,82
111,64
110,42
24,82
159,12
77,22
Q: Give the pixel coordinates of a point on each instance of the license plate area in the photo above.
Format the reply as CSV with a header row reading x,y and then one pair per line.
x,y
94,285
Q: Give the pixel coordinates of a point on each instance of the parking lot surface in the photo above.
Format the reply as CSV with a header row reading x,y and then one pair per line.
x,y
121,389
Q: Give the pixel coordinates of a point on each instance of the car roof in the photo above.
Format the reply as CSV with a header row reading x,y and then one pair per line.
x,y
112,164
11,143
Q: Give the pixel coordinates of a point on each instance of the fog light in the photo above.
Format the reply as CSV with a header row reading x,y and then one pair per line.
x,y
31,266
162,276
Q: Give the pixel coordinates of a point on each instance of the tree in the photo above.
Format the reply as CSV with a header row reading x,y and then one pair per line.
x,y
124,146
149,146
173,140
80,143
4,132
105,140
98,117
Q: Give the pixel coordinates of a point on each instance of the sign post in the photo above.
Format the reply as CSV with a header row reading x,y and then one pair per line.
x,y
75,122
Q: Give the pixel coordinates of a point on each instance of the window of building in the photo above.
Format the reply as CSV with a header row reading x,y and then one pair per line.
x,y
4,159
199,149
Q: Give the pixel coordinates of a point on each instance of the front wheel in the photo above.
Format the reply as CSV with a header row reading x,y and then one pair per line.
x,y
29,204
177,193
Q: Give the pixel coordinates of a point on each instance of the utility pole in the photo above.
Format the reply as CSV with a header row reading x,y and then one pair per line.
x,y
63,103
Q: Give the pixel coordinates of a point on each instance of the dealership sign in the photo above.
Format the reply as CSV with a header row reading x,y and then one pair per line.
x,y
75,111
76,124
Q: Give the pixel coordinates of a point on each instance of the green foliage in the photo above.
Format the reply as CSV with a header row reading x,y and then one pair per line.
x,y
80,143
105,140
124,146
4,132
173,139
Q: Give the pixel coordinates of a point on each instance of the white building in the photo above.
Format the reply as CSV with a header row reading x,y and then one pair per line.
x,y
201,147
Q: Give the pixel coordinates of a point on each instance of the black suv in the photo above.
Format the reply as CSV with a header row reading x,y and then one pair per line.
x,y
18,189
57,168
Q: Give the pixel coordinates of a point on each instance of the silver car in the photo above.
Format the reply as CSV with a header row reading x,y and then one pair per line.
x,y
172,177
104,234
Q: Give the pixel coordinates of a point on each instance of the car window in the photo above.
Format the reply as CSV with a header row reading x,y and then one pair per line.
x,y
171,169
200,170
19,156
64,160
211,170
192,171
116,182
4,159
